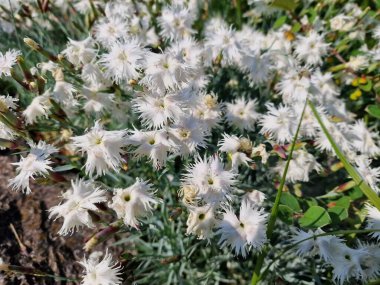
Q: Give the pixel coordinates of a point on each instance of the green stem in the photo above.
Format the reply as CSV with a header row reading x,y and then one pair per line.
x,y
364,187
238,14
272,219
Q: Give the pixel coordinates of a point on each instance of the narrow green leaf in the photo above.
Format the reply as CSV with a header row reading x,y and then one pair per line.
x,y
64,168
285,4
315,217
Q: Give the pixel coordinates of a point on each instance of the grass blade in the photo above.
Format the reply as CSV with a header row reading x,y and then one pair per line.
x,y
364,187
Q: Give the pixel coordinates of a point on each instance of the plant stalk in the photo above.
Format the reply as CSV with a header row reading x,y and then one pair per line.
x,y
273,216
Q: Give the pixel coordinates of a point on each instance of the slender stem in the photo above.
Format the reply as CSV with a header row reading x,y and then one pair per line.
x,y
31,271
238,13
352,171
272,219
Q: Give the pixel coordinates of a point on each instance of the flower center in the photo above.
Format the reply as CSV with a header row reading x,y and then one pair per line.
x,y
184,134
3,106
127,198
122,56
152,141
210,101
201,216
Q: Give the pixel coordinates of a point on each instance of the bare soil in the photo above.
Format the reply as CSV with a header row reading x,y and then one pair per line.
x,y
44,249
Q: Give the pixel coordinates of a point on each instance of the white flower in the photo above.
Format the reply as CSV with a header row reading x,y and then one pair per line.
x,y
84,6
37,162
309,125
300,166
187,133
237,149
212,181
153,144
376,32
201,221
305,242
133,203
7,61
206,109
342,23
110,30
365,141
7,103
294,88
93,75
261,151
361,263
369,261
242,113
257,65
324,246
323,87
80,52
124,61
255,197
249,230
164,71
187,50
96,101
346,264
39,107
157,110
48,66
103,272
79,200
103,149
328,247
369,174
311,48
373,220
63,92
223,42
175,22
357,62
279,123
6,133
341,134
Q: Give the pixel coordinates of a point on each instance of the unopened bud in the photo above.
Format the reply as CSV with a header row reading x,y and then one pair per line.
x,y
32,44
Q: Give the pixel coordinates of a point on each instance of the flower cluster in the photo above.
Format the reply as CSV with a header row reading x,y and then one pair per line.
x,y
151,99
